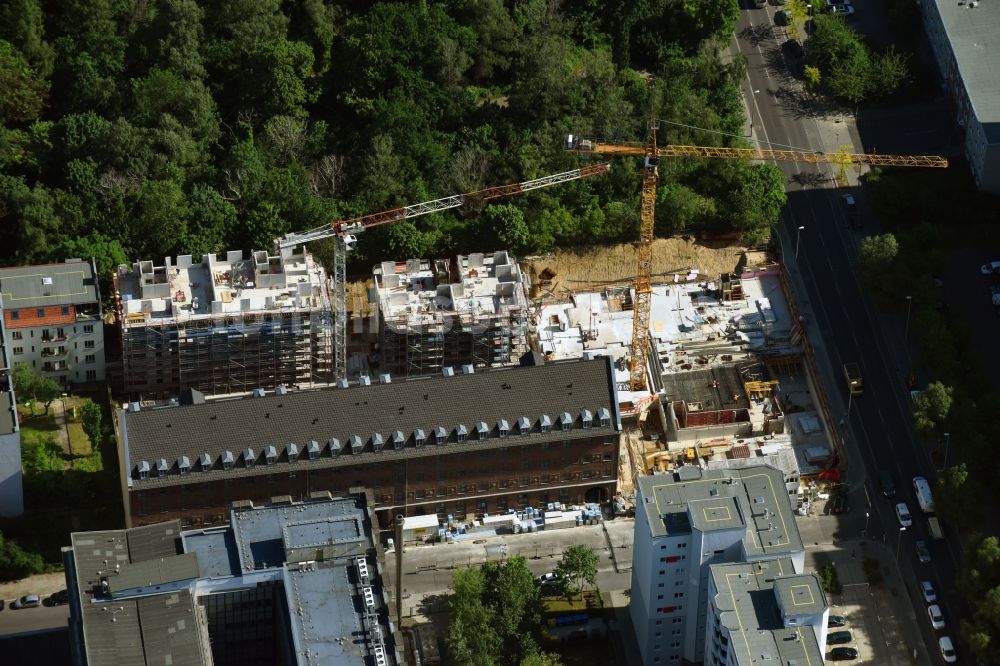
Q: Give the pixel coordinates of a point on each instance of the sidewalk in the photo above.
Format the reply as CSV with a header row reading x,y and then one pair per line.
x,y
42,585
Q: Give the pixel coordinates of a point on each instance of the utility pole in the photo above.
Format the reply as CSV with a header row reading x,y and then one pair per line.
x,y
798,237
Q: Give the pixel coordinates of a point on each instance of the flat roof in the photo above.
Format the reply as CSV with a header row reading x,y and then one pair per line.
x,y
70,283
974,34
753,499
750,600
410,406
151,573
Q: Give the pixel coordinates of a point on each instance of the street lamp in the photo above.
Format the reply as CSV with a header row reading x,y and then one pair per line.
x,y
798,237
906,330
867,516
898,543
947,440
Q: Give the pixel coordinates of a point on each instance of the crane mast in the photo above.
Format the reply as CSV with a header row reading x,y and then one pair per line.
x,y
344,231
650,172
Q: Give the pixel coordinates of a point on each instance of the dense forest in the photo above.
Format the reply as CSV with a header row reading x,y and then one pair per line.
x,y
146,128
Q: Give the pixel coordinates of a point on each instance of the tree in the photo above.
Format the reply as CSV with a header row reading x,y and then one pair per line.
x,y
505,223
30,384
890,70
107,253
578,564
876,263
40,452
23,92
931,406
472,640
542,659
813,77
16,563
90,414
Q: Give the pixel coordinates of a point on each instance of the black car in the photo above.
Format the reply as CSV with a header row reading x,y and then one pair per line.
x,y
836,621
841,503
58,598
843,654
888,485
839,637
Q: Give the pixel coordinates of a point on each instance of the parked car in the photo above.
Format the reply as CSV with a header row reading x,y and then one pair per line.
x,y
923,552
27,601
58,598
836,621
843,654
846,11
837,3
841,503
839,637
783,17
2,604
947,649
903,514
548,578
927,590
937,619
888,485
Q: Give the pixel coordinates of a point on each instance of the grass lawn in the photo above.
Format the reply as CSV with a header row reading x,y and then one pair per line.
x,y
588,601
41,423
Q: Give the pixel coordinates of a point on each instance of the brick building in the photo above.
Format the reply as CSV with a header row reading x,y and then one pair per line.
x,y
52,320
465,443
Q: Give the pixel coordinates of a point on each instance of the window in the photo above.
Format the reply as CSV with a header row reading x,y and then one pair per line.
x,y
14,314
88,344
16,335
89,358
91,375
65,310
18,350
586,474
88,328
41,312
678,595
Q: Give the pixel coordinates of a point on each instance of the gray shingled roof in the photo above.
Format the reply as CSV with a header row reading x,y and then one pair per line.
x,y
24,286
412,405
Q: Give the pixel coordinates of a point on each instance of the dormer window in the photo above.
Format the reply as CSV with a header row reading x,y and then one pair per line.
x,y
503,427
293,452
440,435
398,440
335,447
545,423
461,433
565,421
356,444
604,416
313,450
184,465
205,462
482,430
586,417
228,460
523,425
419,437
143,469
161,467
377,441
249,458
270,455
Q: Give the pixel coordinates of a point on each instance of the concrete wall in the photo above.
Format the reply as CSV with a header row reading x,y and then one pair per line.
x,y
11,481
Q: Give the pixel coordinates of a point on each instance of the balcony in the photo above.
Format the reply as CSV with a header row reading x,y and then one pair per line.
x,y
55,366
53,352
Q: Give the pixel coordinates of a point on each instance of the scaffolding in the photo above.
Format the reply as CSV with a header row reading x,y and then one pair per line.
x,y
444,314
224,325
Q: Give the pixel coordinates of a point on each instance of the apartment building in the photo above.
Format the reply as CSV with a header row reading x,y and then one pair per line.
x,y
462,443
448,313
291,583
687,521
224,325
965,39
53,320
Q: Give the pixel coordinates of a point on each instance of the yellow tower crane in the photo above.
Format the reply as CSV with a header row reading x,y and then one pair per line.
x,y
651,155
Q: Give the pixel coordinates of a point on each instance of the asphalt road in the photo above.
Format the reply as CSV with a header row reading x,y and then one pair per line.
x,y
876,425
32,619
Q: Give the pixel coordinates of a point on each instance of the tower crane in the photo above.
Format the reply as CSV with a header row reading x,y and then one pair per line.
x,y
345,232
651,154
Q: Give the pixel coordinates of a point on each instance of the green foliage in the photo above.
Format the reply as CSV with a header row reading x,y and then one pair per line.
x,y
16,563
495,614
542,659
40,452
577,565
829,579
931,406
23,92
90,414
876,264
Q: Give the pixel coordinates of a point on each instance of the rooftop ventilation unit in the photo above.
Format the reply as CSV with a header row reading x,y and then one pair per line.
x,y
270,454
468,369
385,378
249,458
364,380
293,452
205,462
280,389
313,449
335,446
258,393
448,371
342,383
47,281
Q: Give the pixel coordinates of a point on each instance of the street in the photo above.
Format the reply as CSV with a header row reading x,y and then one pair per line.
x,y
819,250
32,619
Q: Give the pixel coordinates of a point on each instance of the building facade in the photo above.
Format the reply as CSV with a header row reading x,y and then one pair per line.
x,y
965,39
687,521
224,325
460,444
53,320
283,584
11,477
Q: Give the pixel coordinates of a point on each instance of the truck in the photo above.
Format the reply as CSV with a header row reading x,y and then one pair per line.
x,y
934,527
852,373
922,489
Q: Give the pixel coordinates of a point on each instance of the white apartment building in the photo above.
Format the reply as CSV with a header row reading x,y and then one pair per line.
x,y
687,521
763,611
53,320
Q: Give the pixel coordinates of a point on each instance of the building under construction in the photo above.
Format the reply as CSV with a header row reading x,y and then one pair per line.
x,y
446,314
224,325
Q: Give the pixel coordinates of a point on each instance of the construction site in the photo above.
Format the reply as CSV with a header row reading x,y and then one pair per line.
x,y
224,325
447,314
